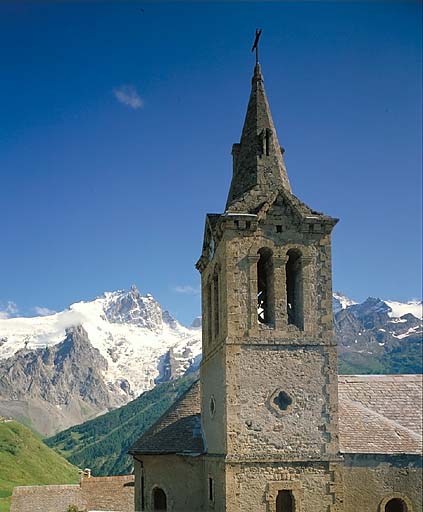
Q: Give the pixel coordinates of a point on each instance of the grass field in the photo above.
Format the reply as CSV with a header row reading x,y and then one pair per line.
x,y
26,460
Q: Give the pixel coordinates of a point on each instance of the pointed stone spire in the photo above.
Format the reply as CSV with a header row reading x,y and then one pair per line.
x,y
257,159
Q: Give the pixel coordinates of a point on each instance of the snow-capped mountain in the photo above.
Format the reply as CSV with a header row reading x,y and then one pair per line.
x,y
66,367
379,336
131,332
139,343
394,309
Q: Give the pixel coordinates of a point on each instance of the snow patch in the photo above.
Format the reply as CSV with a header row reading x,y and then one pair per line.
x,y
410,331
399,309
343,300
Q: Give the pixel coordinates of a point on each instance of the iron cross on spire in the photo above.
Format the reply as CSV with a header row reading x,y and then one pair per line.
x,y
255,45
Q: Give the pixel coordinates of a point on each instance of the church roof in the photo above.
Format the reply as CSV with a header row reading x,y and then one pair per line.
x,y
178,430
377,414
380,414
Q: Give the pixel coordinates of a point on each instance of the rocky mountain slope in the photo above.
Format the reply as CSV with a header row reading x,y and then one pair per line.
x,y
65,368
51,385
378,336
62,369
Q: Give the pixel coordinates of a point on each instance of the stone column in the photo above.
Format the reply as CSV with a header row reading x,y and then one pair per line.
x,y
279,282
308,293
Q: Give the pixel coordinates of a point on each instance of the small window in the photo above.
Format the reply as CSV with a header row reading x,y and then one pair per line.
x,y
211,489
396,505
278,228
248,224
285,502
159,499
212,406
282,400
268,135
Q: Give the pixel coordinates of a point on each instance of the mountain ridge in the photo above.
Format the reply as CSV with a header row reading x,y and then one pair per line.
x,y
122,344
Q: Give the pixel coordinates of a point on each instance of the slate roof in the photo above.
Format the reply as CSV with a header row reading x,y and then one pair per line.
x,y
178,430
378,414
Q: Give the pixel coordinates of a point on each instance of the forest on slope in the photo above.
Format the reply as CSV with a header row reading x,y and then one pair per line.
x,y
102,443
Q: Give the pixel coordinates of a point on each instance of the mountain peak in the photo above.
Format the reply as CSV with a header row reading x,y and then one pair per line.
x,y
133,308
341,301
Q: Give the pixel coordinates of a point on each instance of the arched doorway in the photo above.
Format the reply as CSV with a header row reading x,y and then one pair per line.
x,y
285,502
159,499
396,505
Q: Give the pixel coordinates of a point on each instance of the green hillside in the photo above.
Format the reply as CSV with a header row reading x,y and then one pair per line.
x,y
26,460
404,359
101,444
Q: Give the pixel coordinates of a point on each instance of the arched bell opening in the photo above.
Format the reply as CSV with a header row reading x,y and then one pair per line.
x,y
265,287
294,289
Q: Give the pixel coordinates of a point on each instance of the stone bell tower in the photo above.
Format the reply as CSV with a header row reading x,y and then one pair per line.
x,y
269,370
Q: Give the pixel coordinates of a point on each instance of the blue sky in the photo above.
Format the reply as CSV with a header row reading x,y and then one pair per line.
x,y
117,125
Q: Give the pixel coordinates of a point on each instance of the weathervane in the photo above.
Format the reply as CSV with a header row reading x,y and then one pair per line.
x,y
255,45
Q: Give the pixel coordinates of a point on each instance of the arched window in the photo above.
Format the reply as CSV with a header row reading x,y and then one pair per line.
x,y
265,287
159,499
396,505
209,319
216,304
285,502
294,289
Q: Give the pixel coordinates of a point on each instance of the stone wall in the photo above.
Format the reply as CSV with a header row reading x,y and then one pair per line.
x,y
371,480
362,483
180,477
257,427
213,377
46,498
111,494
215,468
255,486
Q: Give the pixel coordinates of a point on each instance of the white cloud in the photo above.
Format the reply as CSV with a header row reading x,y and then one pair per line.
x,y
187,290
42,311
69,318
128,95
9,310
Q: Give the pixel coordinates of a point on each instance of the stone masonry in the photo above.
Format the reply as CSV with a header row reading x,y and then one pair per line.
x,y
111,494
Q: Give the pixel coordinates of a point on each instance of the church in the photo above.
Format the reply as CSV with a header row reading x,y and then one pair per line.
x,y
270,426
